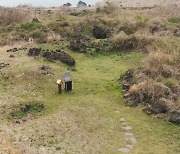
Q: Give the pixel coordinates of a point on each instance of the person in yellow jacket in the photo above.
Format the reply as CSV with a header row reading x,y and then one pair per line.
x,y
60,84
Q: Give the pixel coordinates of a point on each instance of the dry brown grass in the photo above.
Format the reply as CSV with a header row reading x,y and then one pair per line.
x,y
11,15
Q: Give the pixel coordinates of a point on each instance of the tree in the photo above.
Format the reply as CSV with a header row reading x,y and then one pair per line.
x,y
81,4
67,5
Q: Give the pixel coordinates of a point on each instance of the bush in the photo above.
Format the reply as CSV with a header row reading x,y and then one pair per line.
x,y
170,82
29,26
128,28
39,36
132,42
174,20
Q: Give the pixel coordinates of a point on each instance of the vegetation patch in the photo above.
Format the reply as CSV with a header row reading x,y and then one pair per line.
x,y
23,110
90,46
174,20
132,42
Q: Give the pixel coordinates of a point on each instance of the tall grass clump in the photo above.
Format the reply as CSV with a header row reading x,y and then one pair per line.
x,y
11,15
125,42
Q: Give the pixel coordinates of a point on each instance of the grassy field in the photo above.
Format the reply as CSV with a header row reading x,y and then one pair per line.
x,y
86,120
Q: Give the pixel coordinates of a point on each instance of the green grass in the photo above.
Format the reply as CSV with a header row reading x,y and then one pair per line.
x,y
92,110
174,20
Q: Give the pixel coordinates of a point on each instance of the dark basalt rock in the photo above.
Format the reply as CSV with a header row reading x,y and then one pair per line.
x,y
2,65
11,56
158,28
177,32
16,49
53,55
99,33
174,117
36,20
46,70
78,46
59,55
159,107
34,52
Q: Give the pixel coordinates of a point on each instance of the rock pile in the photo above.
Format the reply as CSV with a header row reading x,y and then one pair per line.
x,y
16,49
78,45
157,27
34,52
46,70
53,55
174,116
89,45
2,65
160,28
177,32
158,98
59,55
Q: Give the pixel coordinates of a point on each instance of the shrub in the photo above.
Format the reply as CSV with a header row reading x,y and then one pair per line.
x,y
29,26
170,82
174,20
132,42
39,36
128,29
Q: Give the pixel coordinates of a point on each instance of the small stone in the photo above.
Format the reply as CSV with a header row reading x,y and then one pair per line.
x,y
131,139
127,128
129,146
160,116
122,120
124,150
127,95
11,56
126,86
124,124
17,122
129,134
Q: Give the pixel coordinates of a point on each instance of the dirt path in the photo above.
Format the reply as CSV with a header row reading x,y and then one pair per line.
x,y
6,146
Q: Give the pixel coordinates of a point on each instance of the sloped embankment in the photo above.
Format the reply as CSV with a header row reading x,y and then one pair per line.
x,y
155,84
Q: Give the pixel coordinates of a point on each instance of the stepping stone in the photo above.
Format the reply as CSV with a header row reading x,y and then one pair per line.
x,y
122,120
129,146
124,124
131,139
127,127
124,150
129,134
